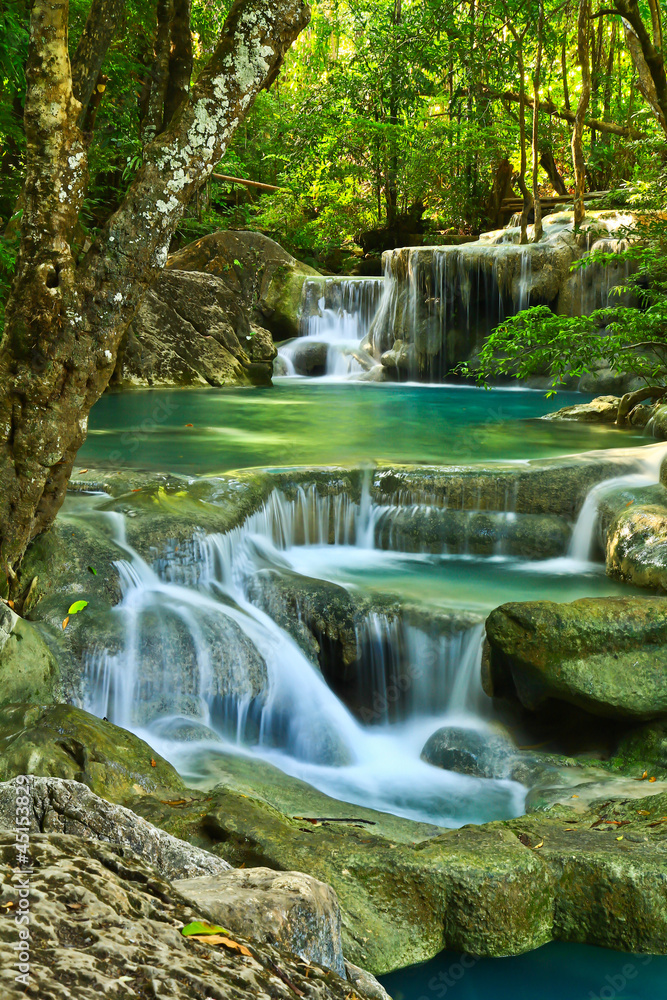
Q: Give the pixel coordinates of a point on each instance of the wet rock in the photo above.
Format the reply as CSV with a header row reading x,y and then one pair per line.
x,y
289,910
486,533
309,357
28,670
341,629
605,655
427,324
548,486
62,806
643,750
100,918
365,982
62,741
470,751
602,410
632,531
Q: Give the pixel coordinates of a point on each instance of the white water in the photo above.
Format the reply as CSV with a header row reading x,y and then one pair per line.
x,y
339,318
192,642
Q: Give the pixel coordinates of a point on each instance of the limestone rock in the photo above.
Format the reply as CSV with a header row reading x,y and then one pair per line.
x,y
289,910
606,655
601,410
62,741
266,279
28,670
62,806
190,329
104,924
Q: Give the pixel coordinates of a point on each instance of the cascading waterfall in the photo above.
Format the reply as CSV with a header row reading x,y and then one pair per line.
x,y
336,314
196,656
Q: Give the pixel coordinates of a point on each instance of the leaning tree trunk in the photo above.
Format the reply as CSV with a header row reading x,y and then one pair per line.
x,y
64,320
580,116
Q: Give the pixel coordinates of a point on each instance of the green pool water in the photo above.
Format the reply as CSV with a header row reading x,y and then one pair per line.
x,y
209,431
301,423
555,972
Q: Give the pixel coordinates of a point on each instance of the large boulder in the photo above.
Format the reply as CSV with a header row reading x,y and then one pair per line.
x,y
602,410
211,317
28,670
290,910
190,329
103,923
265,277
62,741
57,805
605,655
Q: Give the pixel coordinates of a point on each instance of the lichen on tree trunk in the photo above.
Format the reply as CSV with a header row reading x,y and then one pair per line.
x,y
65,320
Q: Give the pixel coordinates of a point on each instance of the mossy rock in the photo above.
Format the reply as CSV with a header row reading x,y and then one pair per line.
x,y
28,670
605,655
62,741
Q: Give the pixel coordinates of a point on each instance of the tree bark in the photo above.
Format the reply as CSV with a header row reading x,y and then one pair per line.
x,y
548,163
180,60
64,322
580,117
99,29
537,207
154,120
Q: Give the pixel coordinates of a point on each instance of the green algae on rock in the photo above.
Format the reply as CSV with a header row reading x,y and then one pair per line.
x,y
62,741
605,655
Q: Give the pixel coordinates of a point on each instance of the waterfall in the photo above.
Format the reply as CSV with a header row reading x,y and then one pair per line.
x,y
194,655
336,314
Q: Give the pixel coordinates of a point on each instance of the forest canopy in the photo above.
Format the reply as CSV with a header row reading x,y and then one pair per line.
x,y
386,113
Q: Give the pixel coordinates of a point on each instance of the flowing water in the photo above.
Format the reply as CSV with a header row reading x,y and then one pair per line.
x,y
203,662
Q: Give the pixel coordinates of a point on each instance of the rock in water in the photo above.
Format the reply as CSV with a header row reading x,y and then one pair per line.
x,y
69,807
607,655
470,751
602,410
293,911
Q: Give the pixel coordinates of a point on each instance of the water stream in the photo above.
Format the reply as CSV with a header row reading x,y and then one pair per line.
x,y
205,658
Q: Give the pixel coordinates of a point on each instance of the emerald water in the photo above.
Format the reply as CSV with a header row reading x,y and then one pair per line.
x,y
302,726
342,423
554,972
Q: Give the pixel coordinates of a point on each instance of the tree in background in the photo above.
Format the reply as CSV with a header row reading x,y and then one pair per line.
x,y
66,313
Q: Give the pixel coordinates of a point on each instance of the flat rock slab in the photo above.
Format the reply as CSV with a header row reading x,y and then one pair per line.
x,y
287,909
607,655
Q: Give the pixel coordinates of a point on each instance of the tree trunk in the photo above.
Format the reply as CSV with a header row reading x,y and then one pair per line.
x,y
548,163
64,321
180,60
87,61
578,130
537,205
646,49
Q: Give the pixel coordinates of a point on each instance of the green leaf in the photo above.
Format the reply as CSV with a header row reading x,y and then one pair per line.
x,y
91,569
202,927
237,262
77,606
